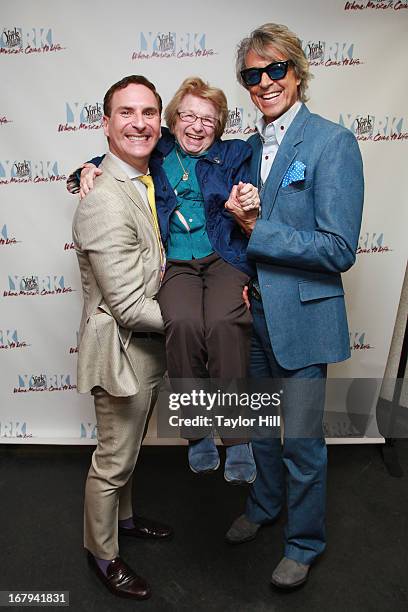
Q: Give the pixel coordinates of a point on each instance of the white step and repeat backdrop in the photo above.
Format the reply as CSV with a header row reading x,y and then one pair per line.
x,y
57,59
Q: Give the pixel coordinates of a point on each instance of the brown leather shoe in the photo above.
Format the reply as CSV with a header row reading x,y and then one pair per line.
x,y
121,579
145,528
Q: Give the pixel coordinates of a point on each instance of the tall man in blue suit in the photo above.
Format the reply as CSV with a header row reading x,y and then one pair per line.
x,y
310,177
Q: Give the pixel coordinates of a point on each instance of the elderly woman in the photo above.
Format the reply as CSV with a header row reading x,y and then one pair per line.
x,y
207,323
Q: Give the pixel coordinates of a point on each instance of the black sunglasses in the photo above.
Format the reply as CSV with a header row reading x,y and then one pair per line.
x,y
275,71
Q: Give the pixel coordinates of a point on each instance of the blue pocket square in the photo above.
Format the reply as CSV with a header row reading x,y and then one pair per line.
x,y
295,172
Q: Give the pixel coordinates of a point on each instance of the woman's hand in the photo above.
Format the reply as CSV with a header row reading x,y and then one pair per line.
x,y
88,174
248,196
243,203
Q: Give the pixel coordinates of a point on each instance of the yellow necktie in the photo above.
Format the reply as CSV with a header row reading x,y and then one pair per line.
x,y
147,180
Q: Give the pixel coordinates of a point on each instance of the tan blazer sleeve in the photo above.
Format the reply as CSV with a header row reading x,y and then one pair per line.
x,y
115,238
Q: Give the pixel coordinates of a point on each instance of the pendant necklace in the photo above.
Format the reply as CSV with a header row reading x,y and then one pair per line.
x,y
185,172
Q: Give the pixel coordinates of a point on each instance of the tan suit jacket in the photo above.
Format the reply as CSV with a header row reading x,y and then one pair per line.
x,y
119,260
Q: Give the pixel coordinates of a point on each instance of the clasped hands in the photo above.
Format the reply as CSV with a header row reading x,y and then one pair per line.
x,y
243,201
244,204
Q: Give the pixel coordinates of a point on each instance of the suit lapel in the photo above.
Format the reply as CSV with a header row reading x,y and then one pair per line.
x,y
126,184
255,163
284,158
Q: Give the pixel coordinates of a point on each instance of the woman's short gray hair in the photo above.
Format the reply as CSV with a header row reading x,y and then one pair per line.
x,y
284,41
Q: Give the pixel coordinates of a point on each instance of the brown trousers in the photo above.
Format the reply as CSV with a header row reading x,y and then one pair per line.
x,y
208,326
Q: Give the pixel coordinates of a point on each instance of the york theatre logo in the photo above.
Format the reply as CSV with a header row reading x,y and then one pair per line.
x,y
27,284
395,5
371,242
315,51
15,39
235,121
6,238
12,39
82,116
41,382
171,44
14,429
36,285
37,381
365,126
240,121
23,169
94,113
167,42
29,171
359,341
11,339
323,53
375,128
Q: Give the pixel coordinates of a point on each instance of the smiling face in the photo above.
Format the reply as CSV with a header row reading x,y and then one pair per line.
x,y
133,127
273,98
195,138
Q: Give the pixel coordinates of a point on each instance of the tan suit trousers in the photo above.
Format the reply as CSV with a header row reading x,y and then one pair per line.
x,y
121,426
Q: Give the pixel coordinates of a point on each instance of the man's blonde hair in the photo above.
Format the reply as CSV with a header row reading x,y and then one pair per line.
x,y
283,40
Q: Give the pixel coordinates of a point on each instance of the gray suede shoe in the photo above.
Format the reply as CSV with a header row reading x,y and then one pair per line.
x,y
241,530
289,574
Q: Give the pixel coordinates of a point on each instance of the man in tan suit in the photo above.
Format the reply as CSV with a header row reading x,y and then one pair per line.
x,y
121,352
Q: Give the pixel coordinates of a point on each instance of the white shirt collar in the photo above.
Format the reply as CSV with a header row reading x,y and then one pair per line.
x,y
127,168
276,130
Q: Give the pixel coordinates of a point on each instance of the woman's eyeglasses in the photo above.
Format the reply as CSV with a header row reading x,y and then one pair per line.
x,y
189,117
